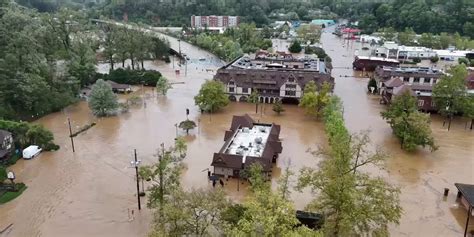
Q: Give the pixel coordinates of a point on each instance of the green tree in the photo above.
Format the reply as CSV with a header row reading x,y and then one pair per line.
x,y
187,125
82,60
266,213
254,99
211,96
163,85
191,213
180,146
427,40
388,33
102,100
278,107
408,124
313,101
445,40
450,93
295,47
164,175
434,59
368,23
352,202
407,37
311,33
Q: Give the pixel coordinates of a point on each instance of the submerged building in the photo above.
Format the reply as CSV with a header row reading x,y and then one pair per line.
x,y
246,143
274,77
418,81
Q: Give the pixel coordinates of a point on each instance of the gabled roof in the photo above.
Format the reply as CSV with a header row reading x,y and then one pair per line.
x,y
402,89
118,86
244,121
4,134
394,82
270,78
467,191
227,160
265,163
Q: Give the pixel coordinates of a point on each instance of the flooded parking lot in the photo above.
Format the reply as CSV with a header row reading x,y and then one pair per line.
x,y
91,192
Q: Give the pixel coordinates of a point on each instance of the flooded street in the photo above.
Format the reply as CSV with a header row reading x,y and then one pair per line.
x,y
90,192
422,175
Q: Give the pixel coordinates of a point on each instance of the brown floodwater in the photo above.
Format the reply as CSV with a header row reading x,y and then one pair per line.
x,y
91,192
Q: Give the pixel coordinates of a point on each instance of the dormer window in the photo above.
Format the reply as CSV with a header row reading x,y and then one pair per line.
x,y
231,83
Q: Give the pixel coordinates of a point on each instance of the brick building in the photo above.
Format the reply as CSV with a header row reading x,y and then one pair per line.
x,y
214,21
418,81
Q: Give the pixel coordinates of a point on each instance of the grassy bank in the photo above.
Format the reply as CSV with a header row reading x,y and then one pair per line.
x,y
8,196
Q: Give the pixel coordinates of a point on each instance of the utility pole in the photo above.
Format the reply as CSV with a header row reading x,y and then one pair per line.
x,y
138,183
70,134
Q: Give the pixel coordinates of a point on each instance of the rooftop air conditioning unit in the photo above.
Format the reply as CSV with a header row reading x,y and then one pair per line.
x,y
258,140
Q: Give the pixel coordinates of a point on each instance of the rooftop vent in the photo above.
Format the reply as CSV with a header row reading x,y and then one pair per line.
x,y
258,140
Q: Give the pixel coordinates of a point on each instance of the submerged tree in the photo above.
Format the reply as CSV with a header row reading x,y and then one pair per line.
x,y
102,100
164,175
409,125
352,202
211,96
254,99
187,125
191,213
163,85
266,213
314,101
450,93
278,107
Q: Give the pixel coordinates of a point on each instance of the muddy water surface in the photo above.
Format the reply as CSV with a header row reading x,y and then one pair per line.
x,y
92,192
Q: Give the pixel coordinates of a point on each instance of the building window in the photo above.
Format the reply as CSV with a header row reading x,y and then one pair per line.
x,y
231,89
421,103
291,79
406,79
433,104
416,80
231,83
434,81
245,90
290,86
290,93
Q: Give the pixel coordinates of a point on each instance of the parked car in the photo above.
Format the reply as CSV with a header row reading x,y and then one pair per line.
x,y
31,152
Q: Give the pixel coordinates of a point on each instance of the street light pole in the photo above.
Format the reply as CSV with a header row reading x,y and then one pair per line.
x,y
70,134
135,163
176,126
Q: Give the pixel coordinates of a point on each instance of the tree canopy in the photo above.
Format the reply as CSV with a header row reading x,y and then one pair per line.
x,y
163,85
102,100
211,96
314,101
351,201
408,124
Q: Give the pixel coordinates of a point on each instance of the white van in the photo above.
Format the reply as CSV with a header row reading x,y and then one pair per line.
x,y
31,152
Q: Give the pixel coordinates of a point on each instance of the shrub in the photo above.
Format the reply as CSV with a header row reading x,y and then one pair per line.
x,y
417,60
25,134
133,77
463,61
3,173
434,59
295,47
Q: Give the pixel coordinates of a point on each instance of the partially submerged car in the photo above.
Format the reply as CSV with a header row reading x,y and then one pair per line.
x,y
31,152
